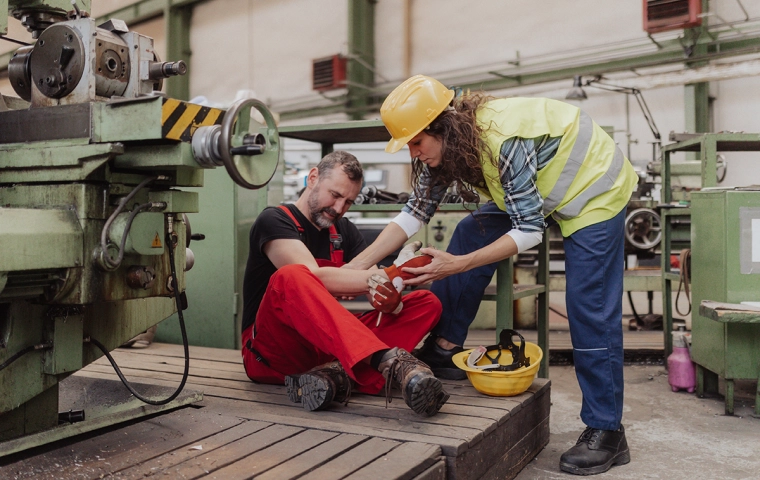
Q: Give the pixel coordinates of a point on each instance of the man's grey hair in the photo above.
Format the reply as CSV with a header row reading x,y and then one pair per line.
x,y
339,158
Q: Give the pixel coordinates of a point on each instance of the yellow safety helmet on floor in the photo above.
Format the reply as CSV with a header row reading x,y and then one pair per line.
x,y
496,372
411,107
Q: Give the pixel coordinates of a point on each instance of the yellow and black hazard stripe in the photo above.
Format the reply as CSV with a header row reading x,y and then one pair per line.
x,y
179,119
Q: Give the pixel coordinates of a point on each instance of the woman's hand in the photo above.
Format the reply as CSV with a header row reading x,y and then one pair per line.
x,y
442,265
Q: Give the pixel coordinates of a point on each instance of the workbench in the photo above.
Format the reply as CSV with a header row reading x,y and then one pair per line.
x,y
746,318
676,216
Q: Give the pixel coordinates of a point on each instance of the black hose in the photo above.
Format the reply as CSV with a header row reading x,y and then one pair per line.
x,y
24,351
557,312
122,203
175,286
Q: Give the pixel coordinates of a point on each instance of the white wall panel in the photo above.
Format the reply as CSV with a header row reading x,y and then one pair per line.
x,y
737,109
455,35
266,46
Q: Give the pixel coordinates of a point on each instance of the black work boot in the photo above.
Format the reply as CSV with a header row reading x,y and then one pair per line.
x,y
439,359
422,392
319,386
596,452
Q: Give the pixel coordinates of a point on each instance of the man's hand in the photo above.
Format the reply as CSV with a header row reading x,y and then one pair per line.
x,y
383,295
407,258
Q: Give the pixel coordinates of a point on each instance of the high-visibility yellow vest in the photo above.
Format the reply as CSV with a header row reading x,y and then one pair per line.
x,y
588,181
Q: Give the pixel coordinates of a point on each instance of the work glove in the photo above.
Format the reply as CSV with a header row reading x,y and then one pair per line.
x,y
384,297
407,257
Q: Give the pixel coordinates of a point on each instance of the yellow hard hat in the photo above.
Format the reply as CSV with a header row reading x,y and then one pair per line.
x,y
494,372
411,107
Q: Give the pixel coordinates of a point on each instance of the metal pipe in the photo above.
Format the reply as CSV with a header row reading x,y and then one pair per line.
x,y
407,38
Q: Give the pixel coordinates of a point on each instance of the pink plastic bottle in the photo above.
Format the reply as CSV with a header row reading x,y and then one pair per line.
x,y
681,372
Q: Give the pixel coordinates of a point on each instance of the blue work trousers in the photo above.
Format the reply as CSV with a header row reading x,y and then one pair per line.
x,y
594,262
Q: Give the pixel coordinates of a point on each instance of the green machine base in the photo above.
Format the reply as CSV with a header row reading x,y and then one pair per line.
x,y
104,403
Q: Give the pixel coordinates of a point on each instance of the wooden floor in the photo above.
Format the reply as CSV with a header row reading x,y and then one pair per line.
x,y
245,430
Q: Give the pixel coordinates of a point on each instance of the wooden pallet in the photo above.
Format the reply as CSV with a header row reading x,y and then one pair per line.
x,y
245,430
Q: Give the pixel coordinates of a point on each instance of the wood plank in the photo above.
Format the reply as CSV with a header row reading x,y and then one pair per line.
x,y
456,421
274,455
453,416
312,459
436,472
333,422
354,459
403,421
475,462
729,312
152,362
403,462
200,353
179,455
455,388
522,453
232,452
124,446
462,392
487,407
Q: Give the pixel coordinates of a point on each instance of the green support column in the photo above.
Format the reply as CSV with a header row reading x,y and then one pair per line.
x,y
697,95
361,56
177,20
696,103
3,17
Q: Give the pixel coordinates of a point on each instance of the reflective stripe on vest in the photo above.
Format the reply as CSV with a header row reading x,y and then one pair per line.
x,y
572,166
578,187
601,185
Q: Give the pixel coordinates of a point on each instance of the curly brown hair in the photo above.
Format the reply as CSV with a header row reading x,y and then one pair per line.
x,y
462,144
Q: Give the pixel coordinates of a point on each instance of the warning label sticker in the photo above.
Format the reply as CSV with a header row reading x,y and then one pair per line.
x,y
157,241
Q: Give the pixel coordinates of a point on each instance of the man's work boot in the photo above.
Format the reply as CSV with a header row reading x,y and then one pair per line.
x,y
421,390
319,386
439,359
596,452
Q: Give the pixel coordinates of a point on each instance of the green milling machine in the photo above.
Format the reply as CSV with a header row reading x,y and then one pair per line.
x,y
94,240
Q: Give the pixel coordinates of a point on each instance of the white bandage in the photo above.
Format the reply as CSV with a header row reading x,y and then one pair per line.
x,y
525,240
409,224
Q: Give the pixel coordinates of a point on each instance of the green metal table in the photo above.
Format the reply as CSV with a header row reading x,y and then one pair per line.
x,y
675,215
731,313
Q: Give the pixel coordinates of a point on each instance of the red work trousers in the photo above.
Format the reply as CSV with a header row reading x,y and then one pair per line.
x,y
300,325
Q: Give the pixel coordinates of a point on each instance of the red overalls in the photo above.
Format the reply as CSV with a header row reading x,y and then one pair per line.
x,y
300,325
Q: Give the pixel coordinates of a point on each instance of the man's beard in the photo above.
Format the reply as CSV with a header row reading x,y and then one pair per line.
x,y
316,213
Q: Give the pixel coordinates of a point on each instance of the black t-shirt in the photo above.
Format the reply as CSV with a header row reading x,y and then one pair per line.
x,y
273,224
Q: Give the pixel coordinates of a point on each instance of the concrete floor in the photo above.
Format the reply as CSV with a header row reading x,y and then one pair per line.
x,y
671,436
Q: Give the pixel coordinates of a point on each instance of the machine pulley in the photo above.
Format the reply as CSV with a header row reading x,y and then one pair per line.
x,y
249,150
643,229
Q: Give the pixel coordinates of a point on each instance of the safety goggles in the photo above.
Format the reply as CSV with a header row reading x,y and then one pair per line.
x,y
519,359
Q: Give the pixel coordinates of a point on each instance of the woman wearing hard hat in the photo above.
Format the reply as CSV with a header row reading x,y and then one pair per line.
x,y
532,160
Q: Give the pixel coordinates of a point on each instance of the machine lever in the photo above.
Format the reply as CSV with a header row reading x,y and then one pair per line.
x,y
66,54
197,237
249,150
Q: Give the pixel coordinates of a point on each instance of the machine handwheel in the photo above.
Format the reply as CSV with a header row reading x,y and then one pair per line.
x,y
643,229
240,130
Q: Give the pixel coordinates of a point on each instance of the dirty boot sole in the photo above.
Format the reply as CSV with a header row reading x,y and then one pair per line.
x,y
620,459
312,391
425,395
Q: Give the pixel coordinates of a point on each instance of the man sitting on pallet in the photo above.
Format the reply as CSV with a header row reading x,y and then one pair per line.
x,y
294,329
